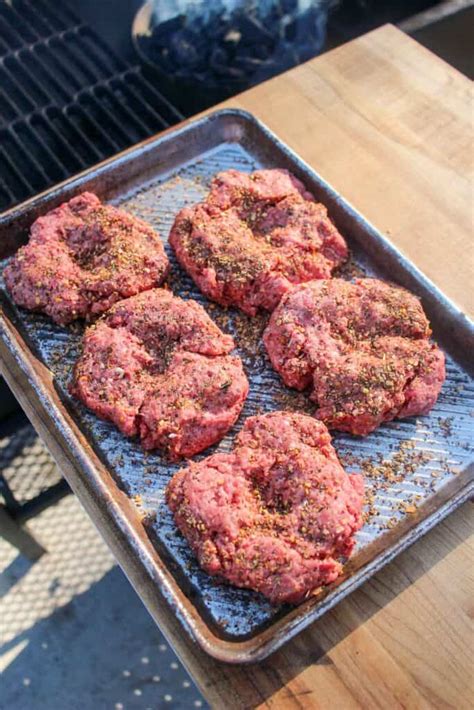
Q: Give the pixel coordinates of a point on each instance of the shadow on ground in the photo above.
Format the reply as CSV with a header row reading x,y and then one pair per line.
x,y
101,650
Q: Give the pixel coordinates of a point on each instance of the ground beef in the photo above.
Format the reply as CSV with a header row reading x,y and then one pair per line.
x,y
82,257
253,237
158,367
363,348
277,514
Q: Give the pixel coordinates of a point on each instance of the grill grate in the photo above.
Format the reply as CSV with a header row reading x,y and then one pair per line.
x,y
66,100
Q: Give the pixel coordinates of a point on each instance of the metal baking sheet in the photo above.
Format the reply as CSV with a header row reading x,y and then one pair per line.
x,y
417,470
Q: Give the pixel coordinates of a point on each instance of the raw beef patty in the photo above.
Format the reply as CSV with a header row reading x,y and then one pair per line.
x,y
82,257
363,348
158,367
254,236
277,514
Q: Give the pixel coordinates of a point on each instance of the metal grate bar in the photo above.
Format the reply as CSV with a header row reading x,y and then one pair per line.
x,y
162,106
30,85
58,64
59,17
66,100
100,51
86,150
34,19
14,19
4,49
18,186
153,98
126,95
88,126
21,156
65,152
56,90
17,96
7,110
11,38
6,196
129,120
146,98
92,71
33,143
103,117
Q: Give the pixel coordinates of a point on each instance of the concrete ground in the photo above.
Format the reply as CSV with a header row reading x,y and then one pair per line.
x,y
73,633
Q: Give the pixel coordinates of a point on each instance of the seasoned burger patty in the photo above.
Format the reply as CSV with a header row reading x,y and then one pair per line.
x,y
276,514
363,348
82,257
253,237
158,367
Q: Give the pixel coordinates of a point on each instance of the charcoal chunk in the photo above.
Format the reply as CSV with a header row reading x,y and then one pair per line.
x,y
165,30
253,31
184,47
217,46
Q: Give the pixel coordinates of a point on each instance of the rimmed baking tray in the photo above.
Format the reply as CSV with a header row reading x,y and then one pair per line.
x,y
417,470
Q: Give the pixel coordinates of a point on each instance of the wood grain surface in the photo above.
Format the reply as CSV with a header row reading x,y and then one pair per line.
x,y
389,125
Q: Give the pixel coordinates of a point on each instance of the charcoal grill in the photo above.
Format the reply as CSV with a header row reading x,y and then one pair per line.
x,y
66,100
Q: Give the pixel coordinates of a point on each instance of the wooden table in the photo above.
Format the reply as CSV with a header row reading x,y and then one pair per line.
x,y
388,124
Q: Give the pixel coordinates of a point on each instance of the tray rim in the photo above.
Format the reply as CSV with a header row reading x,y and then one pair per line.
x,y
110,508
